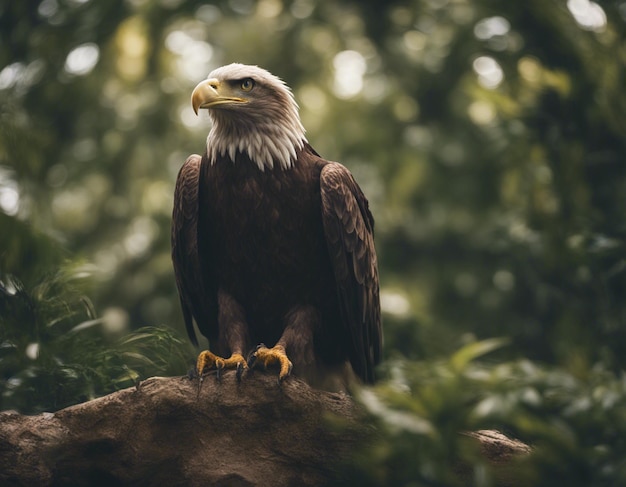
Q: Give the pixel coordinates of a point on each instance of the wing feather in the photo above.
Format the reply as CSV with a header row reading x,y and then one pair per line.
x,y
349,231
197,300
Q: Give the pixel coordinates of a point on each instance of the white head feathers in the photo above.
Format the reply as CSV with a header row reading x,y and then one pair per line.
x,y
266,126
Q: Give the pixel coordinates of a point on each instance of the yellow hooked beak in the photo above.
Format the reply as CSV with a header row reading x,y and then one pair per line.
x,y
211,93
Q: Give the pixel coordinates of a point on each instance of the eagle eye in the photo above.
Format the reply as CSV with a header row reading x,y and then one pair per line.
x,y
247,84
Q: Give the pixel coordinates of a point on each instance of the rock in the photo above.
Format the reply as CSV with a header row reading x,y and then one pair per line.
x,y
167,432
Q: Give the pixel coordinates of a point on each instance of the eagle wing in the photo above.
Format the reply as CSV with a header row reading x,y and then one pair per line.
x,y
349,230
197,299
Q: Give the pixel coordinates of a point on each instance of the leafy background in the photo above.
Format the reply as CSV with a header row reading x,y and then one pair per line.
x,y
489,137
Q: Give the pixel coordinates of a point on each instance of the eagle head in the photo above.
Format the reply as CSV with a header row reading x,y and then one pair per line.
x,y
253,113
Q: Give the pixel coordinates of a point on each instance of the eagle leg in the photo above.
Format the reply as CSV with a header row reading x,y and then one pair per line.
x,y
208,360
271,356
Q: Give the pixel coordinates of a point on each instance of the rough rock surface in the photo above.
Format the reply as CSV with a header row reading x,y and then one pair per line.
x,y
254,432
166,432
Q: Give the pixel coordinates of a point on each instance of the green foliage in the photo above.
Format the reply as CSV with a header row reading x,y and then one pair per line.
x,y
575,425
54,352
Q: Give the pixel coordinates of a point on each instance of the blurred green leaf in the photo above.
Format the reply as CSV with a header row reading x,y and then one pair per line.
x,y
472,351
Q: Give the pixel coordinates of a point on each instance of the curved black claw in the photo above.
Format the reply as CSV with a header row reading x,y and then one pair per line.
x,y
240,369
252,355
192,373
219,368
282,379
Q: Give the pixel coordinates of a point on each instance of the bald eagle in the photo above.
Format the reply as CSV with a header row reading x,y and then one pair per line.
x,y
273,246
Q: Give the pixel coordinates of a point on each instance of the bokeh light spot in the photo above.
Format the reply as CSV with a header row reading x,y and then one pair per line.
x,y
82,59
589,15
489,72
349,67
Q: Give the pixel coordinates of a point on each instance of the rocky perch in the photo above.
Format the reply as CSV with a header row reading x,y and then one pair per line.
x,y
168,432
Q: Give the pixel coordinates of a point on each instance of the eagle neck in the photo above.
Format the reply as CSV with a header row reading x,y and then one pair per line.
x,y
267,143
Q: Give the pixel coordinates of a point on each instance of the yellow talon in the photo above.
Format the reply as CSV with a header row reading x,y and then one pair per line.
x,y
208,360
269,356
